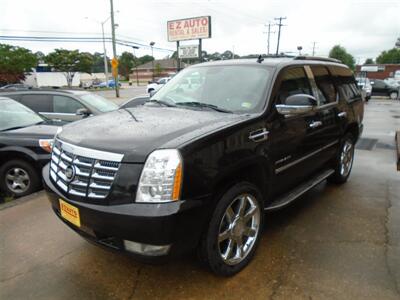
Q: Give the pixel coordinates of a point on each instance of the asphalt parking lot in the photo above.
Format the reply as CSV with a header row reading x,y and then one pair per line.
x,y
336,242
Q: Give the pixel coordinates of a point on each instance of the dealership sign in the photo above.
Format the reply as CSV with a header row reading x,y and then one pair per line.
x,y
189,29
188,51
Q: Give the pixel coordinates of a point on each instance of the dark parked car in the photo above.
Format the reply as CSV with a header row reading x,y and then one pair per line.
x,y
25,146
197,166
65,105
382,88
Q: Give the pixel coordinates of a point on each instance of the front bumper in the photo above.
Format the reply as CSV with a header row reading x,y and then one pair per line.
x,y
177,225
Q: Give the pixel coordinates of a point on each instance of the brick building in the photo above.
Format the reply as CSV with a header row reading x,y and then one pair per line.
x,y
162,68
378,71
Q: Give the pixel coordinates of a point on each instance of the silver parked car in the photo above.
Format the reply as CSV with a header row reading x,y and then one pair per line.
x,y
64,105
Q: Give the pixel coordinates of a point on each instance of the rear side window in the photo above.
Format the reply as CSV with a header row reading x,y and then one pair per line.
x,y
346,83
65,105
325,87
294,81
37,102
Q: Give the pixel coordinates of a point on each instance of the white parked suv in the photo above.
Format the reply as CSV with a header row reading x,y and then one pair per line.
x,y
155,86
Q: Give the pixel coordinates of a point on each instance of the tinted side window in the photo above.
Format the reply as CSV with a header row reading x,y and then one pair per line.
x,y
325,87
38,103
294,81
15,97
65,105
346,83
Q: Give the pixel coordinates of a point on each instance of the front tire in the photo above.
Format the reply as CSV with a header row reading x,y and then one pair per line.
x,y
19,178
344,160
233,234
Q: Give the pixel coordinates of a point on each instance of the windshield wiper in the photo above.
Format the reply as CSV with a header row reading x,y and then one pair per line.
x,y
204,105
161,102
13,128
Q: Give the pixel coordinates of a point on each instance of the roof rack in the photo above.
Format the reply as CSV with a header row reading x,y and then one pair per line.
x,y
302,57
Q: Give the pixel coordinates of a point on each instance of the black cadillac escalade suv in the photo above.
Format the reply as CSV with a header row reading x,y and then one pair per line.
x,y
199,163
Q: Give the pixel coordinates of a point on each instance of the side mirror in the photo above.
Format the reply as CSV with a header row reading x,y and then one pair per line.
x,y
82,112
297,104
152,92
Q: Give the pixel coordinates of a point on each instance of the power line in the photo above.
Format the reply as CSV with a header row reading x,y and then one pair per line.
x,y
77,39
279,32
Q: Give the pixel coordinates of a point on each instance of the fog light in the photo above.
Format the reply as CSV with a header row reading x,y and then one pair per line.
x,y
145,249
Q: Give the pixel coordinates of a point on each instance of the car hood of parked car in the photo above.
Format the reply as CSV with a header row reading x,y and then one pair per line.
x,y
42,131
136,132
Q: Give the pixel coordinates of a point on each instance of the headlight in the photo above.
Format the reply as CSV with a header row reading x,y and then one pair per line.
x,y
161,177
46,145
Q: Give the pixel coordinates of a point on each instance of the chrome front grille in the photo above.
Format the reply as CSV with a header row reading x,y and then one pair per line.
x,y
83,172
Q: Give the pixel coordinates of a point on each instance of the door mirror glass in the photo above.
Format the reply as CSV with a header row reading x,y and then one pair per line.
x,y
82,112
297,104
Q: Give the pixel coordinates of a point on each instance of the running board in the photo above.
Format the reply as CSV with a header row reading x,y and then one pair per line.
x,y
289,197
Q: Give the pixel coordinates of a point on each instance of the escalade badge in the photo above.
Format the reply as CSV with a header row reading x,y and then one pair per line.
x,y
70,173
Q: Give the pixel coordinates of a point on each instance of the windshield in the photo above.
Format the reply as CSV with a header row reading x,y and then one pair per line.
x,y
98,102
237,89
15,115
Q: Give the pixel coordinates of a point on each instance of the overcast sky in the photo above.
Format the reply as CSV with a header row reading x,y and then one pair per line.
x,y
363,27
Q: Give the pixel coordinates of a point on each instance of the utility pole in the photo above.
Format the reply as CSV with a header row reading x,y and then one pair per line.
x,y
313,49
279,32
268,36
114,48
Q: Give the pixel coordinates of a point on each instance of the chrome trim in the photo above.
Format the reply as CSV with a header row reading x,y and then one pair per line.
x,y
259,135
315,124
291,164
293,109
90,153
342,114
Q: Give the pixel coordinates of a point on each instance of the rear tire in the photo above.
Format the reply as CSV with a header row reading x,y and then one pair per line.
x,y
19,178
344,160
232,236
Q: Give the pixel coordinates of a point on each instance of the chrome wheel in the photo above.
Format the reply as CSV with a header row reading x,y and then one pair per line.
x,y
238,229
393,96
17,180
346,158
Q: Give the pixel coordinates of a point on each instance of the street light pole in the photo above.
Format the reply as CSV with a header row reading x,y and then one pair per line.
x,y
114,48
152,62
105,53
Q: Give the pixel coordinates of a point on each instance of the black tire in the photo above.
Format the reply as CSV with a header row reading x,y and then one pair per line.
x,y
33,184
209,248
339,176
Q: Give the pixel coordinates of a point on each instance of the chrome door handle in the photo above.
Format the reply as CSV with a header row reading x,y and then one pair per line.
x,y
315,124
342,114
259,135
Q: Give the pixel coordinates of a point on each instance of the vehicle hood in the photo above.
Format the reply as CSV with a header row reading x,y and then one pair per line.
x,y
136,132
32,132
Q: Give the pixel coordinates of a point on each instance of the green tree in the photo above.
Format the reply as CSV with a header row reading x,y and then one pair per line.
x,y
144,59
98,63
70,62
341,54
391,56
369,61
14,63
126,63
158,69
